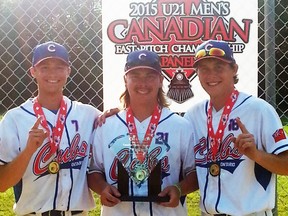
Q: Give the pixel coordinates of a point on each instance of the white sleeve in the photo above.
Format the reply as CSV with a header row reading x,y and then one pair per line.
x,y
273,136
97,160
187,150
9,139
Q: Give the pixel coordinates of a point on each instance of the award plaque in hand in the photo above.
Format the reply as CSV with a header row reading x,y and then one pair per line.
x,y
154,185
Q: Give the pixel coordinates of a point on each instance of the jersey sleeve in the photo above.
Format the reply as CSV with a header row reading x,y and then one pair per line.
x,y
273,136
187,149
9,140
188,115
96,162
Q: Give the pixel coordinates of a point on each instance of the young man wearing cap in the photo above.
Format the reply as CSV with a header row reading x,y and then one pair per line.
x,y
240,142
44,143
142,142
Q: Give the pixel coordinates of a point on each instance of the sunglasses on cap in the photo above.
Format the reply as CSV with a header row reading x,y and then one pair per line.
x,y
212,52
214,49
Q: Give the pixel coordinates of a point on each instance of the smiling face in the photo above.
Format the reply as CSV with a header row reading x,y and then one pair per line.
x,y
51,76
143,85
217,77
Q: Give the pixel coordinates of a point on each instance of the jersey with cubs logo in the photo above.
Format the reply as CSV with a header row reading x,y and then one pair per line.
x,y
230,182
40,190
172,143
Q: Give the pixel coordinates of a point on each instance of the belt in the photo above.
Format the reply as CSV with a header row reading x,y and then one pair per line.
x,y
58,213
221,215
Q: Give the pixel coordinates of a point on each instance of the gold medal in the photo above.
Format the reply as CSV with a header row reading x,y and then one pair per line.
x,y
140,174
214,169
53,167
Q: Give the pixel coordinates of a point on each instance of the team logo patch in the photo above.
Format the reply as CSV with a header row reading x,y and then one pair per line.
x,y
279,135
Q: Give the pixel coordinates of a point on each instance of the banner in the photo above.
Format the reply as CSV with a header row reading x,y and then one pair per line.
x,y
174,29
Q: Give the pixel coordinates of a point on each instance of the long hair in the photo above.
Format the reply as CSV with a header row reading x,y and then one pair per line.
x,y
235,78
161,98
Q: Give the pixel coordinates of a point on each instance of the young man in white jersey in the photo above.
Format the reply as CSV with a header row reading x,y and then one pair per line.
x,y
240,143
145,136
45,143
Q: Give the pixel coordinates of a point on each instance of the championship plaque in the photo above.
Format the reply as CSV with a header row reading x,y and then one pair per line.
x,y
135,173
214,169
154,185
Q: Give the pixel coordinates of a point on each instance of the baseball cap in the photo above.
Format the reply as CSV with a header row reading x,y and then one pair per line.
x,y
48,50
214,49
140,59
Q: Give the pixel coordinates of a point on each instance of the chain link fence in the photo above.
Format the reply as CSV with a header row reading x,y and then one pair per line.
x,y
273,72
77,25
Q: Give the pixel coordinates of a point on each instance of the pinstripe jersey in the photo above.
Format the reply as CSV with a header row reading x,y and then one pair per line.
x,y
172,131
243,187
38,190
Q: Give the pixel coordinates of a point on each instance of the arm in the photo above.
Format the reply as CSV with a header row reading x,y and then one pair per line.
x,y
277,164
108,193
187,185
245,143
11,173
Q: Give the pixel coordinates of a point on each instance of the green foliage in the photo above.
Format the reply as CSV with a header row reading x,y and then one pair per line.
x,y
282,191
286,129
6,203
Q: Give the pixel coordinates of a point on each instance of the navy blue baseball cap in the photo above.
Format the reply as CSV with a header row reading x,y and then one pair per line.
x,y
48,50
214,49
142,59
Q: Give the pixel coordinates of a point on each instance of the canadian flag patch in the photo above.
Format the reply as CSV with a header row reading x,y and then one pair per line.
x,y
279,135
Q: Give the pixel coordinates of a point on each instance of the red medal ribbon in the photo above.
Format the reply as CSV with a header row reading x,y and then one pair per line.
x,y
57,131
216,139
141,150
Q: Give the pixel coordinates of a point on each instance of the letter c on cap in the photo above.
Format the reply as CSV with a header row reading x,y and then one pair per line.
x,y
208,47
51,48
141,55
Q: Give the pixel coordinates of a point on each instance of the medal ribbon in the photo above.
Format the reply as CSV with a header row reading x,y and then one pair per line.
x,y
141,150
57,131
216,139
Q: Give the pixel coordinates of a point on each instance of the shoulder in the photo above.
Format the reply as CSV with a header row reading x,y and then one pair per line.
x,y
81,107
199,106
118,118
26,107
253,102
23,112
173,118
115,124
197,109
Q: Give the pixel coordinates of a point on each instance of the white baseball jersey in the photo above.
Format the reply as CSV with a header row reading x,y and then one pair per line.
x,y
172,132
38,190
243,187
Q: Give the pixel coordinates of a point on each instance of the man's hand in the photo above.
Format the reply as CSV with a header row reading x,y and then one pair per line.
x,y
102,117
108,196
174,194
36,136
245,142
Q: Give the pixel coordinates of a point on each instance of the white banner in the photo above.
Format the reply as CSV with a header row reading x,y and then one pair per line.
x,y
174,29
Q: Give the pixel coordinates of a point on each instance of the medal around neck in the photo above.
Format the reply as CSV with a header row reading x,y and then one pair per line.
x,y
214,169
53,167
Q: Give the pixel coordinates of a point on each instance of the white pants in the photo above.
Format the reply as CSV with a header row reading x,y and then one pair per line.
x,y
67,213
